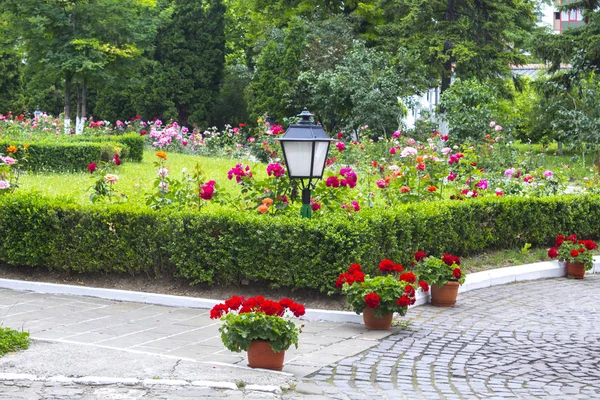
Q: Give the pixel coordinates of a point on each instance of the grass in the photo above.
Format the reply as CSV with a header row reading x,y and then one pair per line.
x,y
12,340
581,164
502,258
135,179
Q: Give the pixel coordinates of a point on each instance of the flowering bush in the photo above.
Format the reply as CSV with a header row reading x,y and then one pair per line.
x,y
11,167
386,294
573,250
438,271
258,318
105,180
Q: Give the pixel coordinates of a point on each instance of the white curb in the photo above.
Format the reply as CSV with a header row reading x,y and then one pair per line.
x,y
477,280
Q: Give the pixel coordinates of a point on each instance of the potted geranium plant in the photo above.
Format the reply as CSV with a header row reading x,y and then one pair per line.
x,y
261,327
378,297
577,254
442,274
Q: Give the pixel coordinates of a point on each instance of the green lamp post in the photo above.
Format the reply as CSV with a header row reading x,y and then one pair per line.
x,y
305,146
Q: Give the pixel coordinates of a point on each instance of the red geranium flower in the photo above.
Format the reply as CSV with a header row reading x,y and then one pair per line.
x,y
424,286
403,301
234,302
456,273
297,309
449,259
409,290
560,239
353,268
589,244
572,238
398,268
386,265
574,253
419,255
218,311
372,300
408,277
271,307
553,252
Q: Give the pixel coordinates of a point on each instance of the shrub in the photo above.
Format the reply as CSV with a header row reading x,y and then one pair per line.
x,y
68,156
11,340
222,247
132,141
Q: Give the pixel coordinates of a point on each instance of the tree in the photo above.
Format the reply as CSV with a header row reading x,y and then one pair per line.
x,y
78,40
190,56
364,89
465,38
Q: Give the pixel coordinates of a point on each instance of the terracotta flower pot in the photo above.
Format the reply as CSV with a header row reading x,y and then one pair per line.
x,y
446,295
372,322
575,270
261,355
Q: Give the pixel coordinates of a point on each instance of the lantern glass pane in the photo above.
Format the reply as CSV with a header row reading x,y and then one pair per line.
x,y
320,157
298,158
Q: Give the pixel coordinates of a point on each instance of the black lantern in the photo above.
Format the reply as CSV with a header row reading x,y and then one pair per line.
x,y
305,146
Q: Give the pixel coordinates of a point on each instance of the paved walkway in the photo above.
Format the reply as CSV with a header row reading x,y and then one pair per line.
x,y
527,340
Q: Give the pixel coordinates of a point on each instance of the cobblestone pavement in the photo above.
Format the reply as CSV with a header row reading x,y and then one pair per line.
x,y
527,340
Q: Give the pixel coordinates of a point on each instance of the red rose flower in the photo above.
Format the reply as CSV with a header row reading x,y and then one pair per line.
x,y
574,253
386,265
553,252
456,273
403,301
408,277
372,300
92,167
419,255
424,285
116,159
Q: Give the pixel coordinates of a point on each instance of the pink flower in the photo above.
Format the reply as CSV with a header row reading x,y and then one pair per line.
x,y
332,181
452,176
163,186
381,183
238,171
110,178
91,167
396,134
356,206
163,172
340,136
498,128
548,174
251,139
116,159
408,151
275,170
393,151
207,190
509,172
444,138
482,184
8,160
446,150
4,185
315,206
492,124
340,146
528,178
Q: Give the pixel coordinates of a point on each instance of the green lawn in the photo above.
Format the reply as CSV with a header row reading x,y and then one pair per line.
x,y
135,179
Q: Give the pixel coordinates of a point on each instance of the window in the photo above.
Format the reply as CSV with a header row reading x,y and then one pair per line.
x,y
573,15
557,15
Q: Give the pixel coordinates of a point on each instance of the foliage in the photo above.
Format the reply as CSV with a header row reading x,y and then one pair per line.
x,y
386,294
438,271
573,250
225,247
12,340
364,90
190,56
50,155
104,181
257,318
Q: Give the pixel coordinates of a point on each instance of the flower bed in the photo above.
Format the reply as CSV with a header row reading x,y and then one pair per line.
x,y
226,248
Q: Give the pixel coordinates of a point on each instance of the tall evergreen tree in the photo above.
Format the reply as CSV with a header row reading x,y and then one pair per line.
x,y
190,55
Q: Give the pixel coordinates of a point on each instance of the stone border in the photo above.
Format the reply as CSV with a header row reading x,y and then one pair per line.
x,y
477,280
106,381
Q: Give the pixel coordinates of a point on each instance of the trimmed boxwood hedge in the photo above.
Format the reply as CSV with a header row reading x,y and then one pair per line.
x,y
225,248
61,156
133,141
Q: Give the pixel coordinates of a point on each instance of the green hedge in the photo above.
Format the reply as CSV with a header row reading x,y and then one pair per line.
x,y
133,141
55,156
225,248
